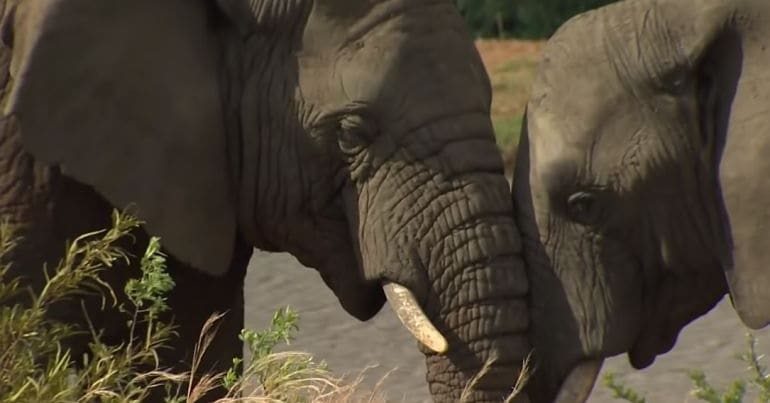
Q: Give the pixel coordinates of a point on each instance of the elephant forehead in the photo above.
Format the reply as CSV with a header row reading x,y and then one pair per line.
x,y
576,88
579,140
617,49
554,150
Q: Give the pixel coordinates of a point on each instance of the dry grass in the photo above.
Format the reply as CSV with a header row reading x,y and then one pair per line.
x,y
36,366
287,377
518,386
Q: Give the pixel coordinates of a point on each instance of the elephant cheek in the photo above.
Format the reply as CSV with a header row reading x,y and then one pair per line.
x,y
586,304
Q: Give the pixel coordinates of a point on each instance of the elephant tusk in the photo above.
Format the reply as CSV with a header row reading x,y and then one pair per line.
x,y
578,385
408,310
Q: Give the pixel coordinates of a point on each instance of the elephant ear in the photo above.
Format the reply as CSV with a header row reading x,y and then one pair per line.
x,y
730,39
125,96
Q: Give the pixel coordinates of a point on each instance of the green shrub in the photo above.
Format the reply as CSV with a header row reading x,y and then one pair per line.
x,y
530,19
35,365
538,19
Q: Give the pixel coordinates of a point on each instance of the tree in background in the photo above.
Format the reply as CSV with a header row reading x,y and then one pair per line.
x,y
489,18
529,19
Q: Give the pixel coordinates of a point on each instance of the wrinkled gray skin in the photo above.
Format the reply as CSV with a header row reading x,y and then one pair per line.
x,y
641,184
354,135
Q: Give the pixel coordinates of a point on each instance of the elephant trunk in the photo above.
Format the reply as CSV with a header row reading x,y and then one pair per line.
x,y
478,297
443,229
485,319
435,228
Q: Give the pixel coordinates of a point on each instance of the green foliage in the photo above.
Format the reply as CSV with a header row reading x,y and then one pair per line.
x,y
289,377
507,130
35,365
708,393
704,390
489,18
282,329
760,377
148,293
531,19
620,391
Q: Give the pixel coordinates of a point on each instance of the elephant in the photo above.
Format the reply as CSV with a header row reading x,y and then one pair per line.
x,y
354,135
639,184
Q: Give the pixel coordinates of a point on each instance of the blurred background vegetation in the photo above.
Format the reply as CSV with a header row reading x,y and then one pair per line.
x,y
524,19
509,36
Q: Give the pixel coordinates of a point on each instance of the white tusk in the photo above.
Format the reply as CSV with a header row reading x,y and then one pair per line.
x,y
408,310
579,383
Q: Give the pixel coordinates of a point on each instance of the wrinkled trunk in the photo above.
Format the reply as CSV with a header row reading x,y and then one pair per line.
x,y
480,289
440,223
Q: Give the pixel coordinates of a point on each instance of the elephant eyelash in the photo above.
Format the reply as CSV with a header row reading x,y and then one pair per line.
x,y
355,134
599,196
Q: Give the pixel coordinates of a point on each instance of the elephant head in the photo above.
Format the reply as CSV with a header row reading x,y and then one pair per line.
x,y
640,183
355,135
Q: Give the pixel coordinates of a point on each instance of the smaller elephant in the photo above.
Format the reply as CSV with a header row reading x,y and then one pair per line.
x,y
641,180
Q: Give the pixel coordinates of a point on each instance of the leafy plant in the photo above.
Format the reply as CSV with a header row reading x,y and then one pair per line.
x,y
36,366
760,379
288,376
620,391
708,393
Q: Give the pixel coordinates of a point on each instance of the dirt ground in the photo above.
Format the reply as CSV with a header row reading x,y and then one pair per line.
x,y
276,280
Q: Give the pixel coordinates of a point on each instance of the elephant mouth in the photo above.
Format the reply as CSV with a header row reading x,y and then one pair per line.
x,y
651,343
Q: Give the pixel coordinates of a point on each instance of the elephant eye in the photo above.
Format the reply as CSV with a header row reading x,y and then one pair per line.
x,y
583,207
676,81
356,133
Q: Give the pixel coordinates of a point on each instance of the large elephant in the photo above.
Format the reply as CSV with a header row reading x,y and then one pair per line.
x,y
355,135
641,184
